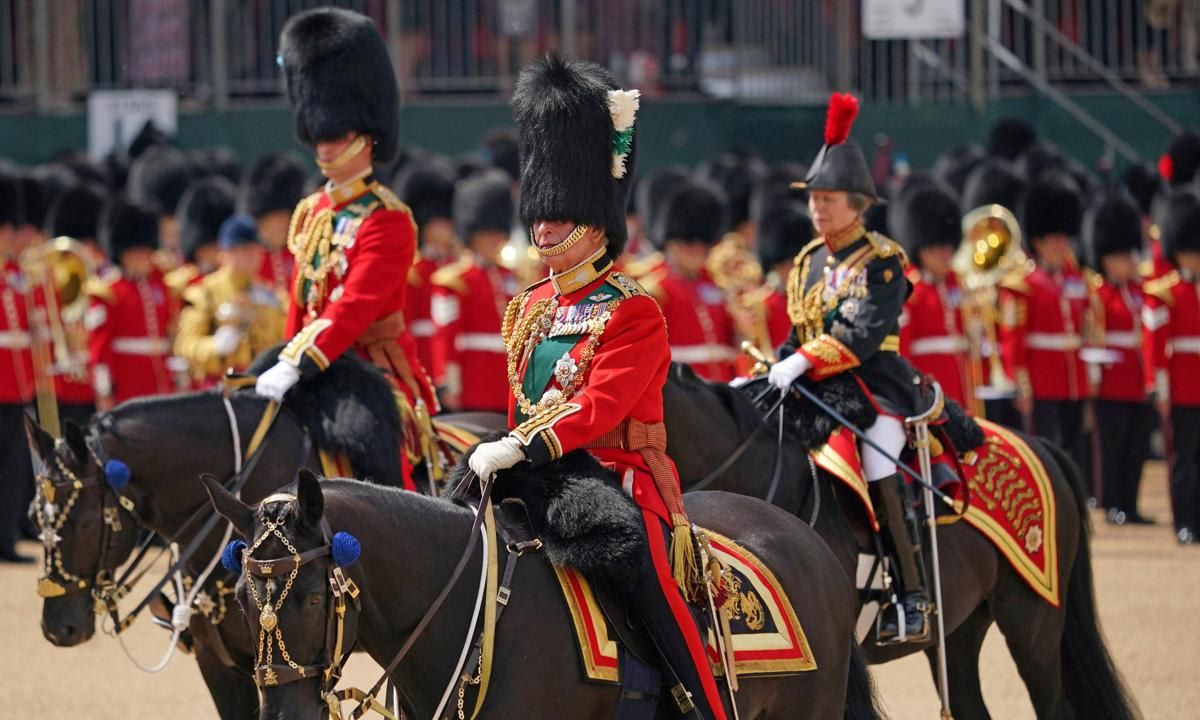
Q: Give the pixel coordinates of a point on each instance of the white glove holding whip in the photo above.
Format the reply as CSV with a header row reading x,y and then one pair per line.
x,y
226,339
277,381
785,372
491,457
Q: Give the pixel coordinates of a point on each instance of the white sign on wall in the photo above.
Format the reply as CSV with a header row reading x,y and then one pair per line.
x,y
900,19
116,116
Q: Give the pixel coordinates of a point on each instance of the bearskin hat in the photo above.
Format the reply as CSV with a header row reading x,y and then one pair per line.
x,y
483,202
1111,224
784,228
737,174
1009,137
840,164
651,192
339,79
273,183
927,216
1142,183
76,212
1178,218
775,187
125,226
207,203
993,182
1039,159
696,211
158,179
953,167
219,161
150,136
1051,205
1178,165
81,167
501,150
34,199
578,145
426,185
10,196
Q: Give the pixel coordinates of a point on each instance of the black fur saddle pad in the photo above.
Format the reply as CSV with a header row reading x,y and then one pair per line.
x,y
348,409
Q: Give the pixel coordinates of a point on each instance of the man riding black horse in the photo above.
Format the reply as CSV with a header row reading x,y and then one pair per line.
x,y
845,294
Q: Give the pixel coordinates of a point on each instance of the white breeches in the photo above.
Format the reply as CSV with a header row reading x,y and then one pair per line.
x,y
888,433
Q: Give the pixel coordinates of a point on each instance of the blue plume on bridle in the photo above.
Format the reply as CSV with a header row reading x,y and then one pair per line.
x,y
231,557
345,549
116,474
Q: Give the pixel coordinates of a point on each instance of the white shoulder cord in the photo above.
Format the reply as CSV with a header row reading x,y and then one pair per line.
x,y
462,658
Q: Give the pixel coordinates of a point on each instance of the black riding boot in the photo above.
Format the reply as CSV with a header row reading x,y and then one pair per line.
x,y
895,507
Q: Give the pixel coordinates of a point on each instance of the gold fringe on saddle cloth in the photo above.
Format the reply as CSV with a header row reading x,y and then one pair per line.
x,y
650,441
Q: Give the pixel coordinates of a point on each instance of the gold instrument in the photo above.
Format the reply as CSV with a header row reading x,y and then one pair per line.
x,y
990,249
735,269
60,269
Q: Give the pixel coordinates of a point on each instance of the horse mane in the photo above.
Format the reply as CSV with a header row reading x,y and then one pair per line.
x,y
348,409
745,415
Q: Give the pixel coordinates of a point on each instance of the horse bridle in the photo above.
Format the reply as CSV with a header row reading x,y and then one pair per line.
x,y
268,673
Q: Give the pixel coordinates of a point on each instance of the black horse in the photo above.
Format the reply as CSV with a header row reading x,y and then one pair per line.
x,y
411,542
165,443
1059,652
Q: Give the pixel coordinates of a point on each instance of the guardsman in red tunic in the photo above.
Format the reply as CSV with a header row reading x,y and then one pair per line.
x,y
1112,235
16,373
1043,311
1143,185
354,241
784,228
927,223
469,298
1172,328
587,348
130,314
426,186
158,178
271,189
651,193
699,323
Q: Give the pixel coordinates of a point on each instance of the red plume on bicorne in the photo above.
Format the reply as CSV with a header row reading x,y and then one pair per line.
x,y
1166,168
843,108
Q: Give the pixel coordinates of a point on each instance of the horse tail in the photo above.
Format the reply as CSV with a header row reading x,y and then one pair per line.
x,y
1092,683
862,703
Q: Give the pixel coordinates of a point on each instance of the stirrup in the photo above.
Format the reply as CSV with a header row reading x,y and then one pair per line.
x,y
902,635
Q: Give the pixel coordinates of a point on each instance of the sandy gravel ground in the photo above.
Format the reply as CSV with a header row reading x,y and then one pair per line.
x,y
1147,587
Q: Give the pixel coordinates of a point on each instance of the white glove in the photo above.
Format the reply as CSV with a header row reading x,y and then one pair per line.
x,y
277,381
785,372
491,457
739,381
226,339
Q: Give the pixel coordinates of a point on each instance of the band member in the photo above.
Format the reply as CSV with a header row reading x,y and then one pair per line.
x,y
469,298
158,178
587,348
354,241
130,311
651,192
1144,185
1112,234
932,337
426,186
1042,319
230,316
784,228
16,373
206,204
270,191
845,295
699,324
1172,326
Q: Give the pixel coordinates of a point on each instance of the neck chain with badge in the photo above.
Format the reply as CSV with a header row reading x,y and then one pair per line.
x,y
808,307
546,319
318,246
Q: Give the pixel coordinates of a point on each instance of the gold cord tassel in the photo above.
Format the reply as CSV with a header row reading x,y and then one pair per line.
x,y
684,567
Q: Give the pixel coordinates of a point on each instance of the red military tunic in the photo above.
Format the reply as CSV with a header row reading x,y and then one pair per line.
x,y
16,357
276,270
700,327
779,324
1119,317
469,300
1041,327
932,335
1171,318
418,311
129,321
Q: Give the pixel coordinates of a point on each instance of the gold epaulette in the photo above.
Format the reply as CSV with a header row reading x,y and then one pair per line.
x,y
451,276
1146,268
807,250
391,201
179,279
651,284
627,285
885,247
1093,279
642,266
1161,287
1016,279
100,286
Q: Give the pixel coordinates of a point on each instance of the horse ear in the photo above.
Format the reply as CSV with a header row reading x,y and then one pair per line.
x,y
40,441
77,443
230,507
310,499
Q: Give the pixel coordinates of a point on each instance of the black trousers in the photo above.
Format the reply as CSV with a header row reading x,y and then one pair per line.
x,y
1185,466
1061,422
16,474
1123,431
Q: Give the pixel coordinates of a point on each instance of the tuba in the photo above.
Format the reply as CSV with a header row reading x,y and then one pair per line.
x,y
735,269
990,249
58,272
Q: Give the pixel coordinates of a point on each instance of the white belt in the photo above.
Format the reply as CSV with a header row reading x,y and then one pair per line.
x,y
141,346
939,345
422,328
1185,345
485,342
1126,339
700,354
15,339
1053,341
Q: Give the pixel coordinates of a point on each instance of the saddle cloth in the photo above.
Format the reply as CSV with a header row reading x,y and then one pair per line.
x,y
767,637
